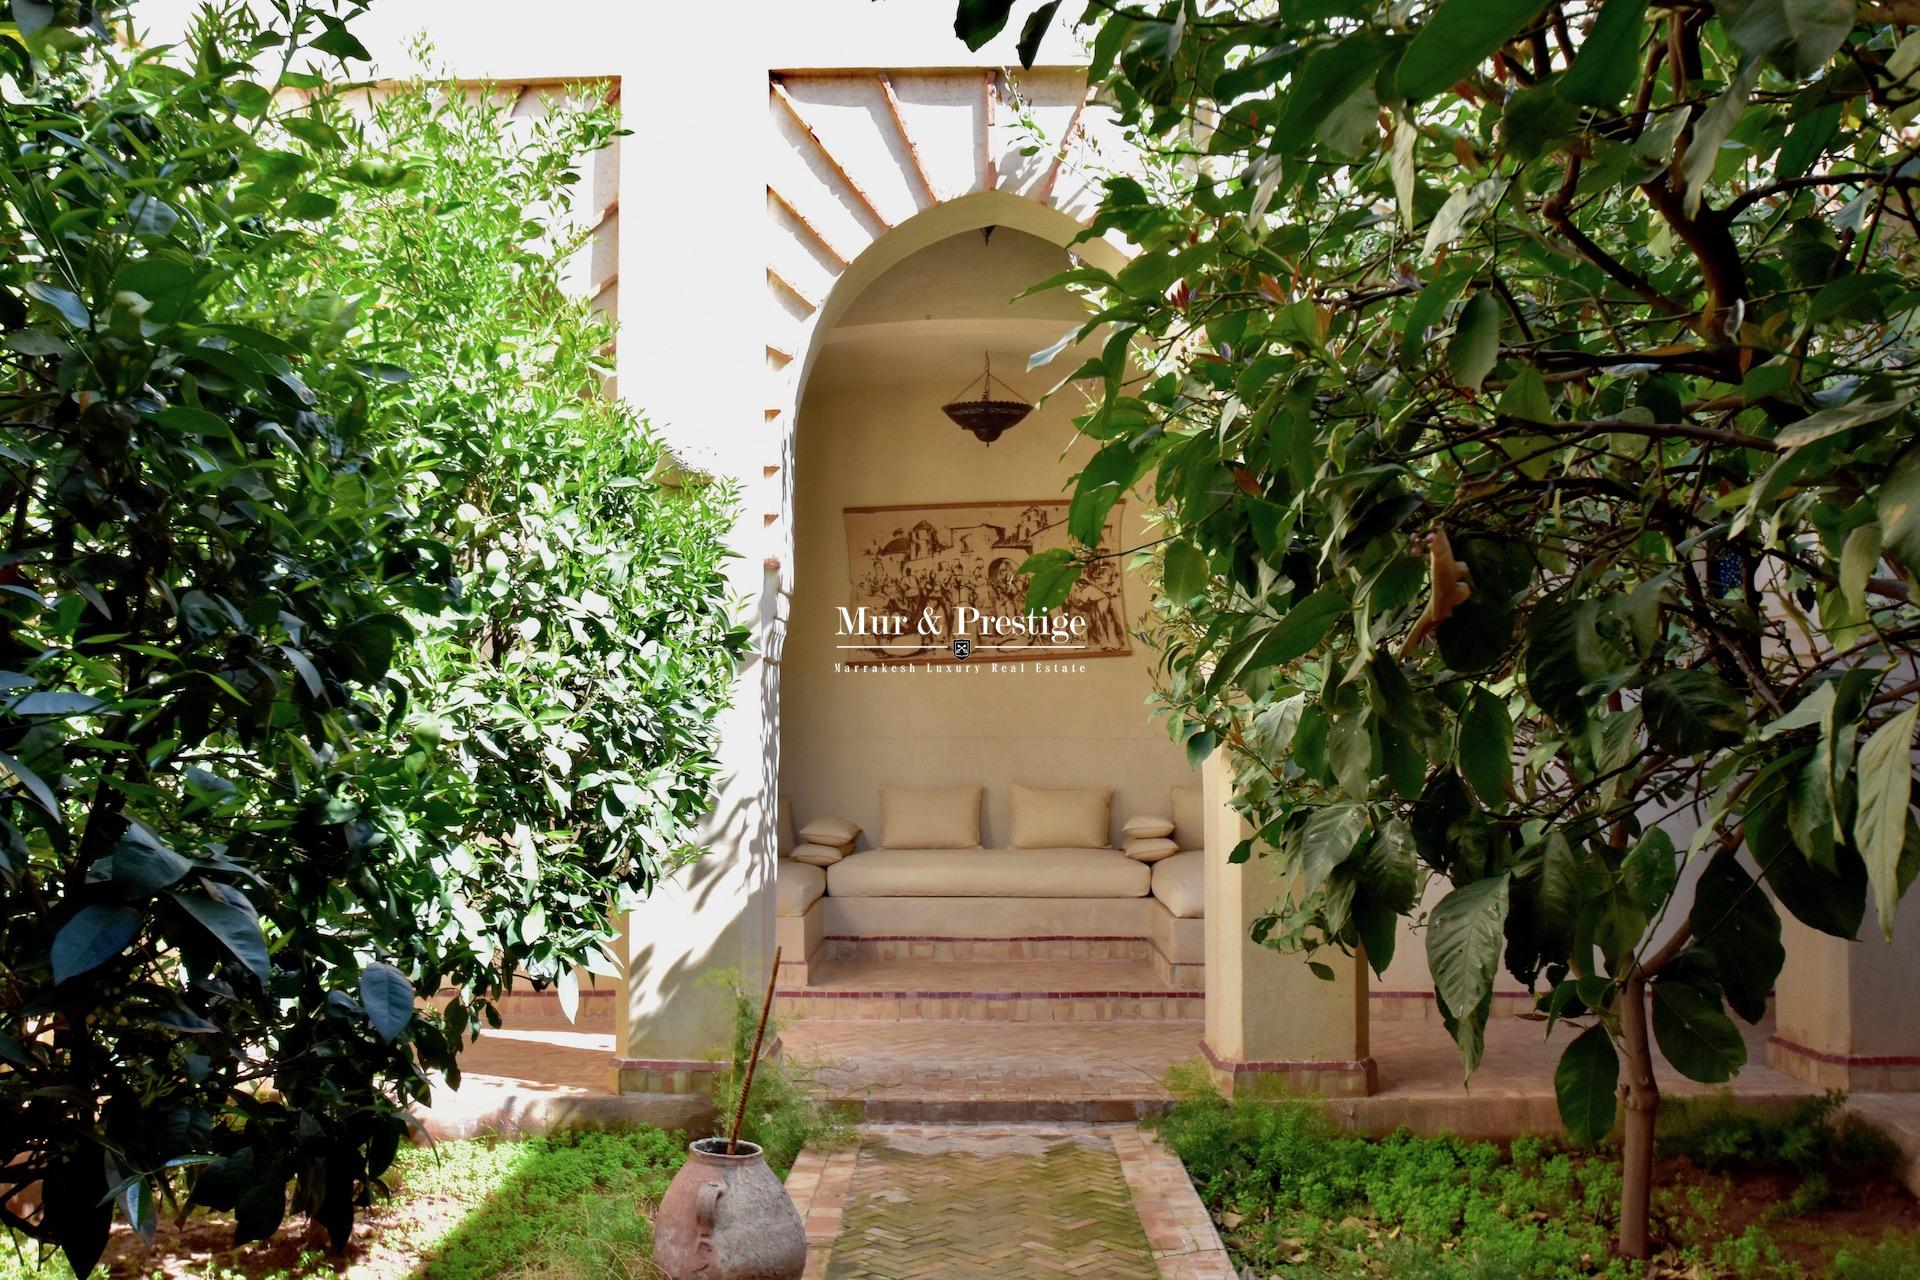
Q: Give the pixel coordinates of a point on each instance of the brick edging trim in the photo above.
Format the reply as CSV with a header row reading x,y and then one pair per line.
x,y
770,1049
1844,1059
1353,1066
1153,944
1429,995
976,937
817,993
670,1064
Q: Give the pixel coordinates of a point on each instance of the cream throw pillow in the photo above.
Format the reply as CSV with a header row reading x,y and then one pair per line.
x,y
833,832
817,855
1151,848
1148,828
930,817
1061,817
1188,831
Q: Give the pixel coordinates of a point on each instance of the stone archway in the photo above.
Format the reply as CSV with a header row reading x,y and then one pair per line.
x,y
863,171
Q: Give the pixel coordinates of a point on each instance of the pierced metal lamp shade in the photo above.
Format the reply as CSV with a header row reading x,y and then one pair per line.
x,y
985,418
988,417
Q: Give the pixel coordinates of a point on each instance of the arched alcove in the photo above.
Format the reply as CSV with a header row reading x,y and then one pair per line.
x,y
906,330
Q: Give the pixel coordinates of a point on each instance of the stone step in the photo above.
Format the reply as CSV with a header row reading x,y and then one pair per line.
x,y
1117,990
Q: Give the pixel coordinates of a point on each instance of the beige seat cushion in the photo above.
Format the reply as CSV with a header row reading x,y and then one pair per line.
x,y
1143,849
1180,884
1147,827
797,887
929,817
817,855
1188,831
836,833
1061,817
989,873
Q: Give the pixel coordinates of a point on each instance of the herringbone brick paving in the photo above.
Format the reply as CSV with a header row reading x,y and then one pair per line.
x,y
968,1203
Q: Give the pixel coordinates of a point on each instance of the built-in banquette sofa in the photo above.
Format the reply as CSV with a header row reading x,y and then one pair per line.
x,y
1062,887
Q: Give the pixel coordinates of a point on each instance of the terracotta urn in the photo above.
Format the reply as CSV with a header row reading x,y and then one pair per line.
x,y
726,1217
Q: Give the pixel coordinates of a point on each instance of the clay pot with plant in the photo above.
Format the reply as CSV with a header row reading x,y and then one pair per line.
x,y
726,1216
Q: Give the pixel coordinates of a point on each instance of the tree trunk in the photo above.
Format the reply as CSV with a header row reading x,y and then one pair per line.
x,y
1641,1098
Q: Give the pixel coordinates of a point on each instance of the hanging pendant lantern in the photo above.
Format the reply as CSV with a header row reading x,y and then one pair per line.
x,y
987,418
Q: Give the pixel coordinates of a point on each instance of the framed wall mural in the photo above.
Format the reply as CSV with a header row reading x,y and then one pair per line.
x,y
935,582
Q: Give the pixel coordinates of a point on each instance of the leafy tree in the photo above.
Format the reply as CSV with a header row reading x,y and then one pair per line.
x,y
561,705
1529,390
266,736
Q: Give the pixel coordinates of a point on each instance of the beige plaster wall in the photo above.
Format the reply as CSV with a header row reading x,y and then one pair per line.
x,y
1852,998
865,441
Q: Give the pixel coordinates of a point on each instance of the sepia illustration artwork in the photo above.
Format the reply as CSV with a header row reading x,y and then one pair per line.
x,y
957,564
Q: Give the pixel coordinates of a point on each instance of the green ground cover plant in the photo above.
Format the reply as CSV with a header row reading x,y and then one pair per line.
x,y
572,1205
1296,1197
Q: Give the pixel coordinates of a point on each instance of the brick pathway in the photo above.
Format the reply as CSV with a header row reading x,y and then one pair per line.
x,y
979,1203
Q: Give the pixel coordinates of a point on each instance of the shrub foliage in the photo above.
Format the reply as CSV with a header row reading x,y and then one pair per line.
x,y
1530,391
326,683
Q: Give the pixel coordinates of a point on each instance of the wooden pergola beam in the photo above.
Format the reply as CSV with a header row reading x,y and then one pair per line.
x,y
781,282
906,138
1045,194
812,231
826,153
989,177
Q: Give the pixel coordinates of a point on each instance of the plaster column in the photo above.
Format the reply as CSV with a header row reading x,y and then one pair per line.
x,y
1846,1014
1272,1026
693,291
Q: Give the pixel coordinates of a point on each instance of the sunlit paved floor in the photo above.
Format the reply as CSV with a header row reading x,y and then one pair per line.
x,y
959,1070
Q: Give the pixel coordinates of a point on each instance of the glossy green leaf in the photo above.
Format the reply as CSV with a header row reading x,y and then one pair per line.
x,y
1585,1084
1476,340
1330,836
65,303
1693,711
1694,1035
1184,575
1484,749
1886,798
1331,75
1608,65
1459,36
337,40
1898,503
1428,308
1298,631
141,864
1034,31
1537,119
92,937
387,997
1464,938
1808,138
1734,919
1827,422
1712,129
1800,34
978,21
232,927
1053,573
1651,869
